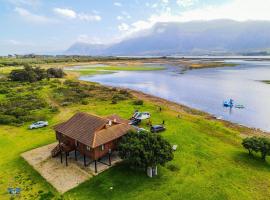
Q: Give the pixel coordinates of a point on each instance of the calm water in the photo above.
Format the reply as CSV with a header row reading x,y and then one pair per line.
x,y
206,89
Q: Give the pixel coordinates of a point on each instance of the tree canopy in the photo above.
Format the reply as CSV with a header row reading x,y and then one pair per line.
x,y
257,144
145,149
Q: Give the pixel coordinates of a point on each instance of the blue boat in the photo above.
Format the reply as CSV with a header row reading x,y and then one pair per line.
x,y
228,103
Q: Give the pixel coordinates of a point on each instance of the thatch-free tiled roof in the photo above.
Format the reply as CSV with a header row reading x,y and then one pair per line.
x,y
92,130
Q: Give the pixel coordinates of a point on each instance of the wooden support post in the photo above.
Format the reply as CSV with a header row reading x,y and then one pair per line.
x,y
61,156
84,161
66,159
110,163
95,166
75,155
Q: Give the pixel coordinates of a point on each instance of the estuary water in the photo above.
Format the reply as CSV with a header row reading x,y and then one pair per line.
x,y
206,89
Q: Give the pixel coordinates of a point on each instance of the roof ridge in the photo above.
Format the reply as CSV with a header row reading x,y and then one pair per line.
x,y
92,115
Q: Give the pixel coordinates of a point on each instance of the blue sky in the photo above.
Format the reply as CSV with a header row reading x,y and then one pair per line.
x,y
53,25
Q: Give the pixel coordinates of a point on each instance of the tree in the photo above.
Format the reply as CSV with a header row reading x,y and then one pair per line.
x,y
257,144
264,147
142,150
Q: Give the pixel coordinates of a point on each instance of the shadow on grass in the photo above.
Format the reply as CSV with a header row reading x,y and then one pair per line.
x,y
254,161
119,182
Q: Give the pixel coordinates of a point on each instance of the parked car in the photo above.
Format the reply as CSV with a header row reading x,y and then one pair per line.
x,y
138,129
157,128
141,115
38,124
135,122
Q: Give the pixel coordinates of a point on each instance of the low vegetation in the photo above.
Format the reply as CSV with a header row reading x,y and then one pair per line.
x,y
210,65
34,74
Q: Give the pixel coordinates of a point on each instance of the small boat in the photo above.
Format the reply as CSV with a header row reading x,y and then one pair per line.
x,y
228,103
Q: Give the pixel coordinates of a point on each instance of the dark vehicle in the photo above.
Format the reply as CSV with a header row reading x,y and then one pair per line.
x,y
157,128
135,122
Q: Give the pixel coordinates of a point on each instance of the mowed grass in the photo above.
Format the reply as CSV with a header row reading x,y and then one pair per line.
x,y
91,70
209,163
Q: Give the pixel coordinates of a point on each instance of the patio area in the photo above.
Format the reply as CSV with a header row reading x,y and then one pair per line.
x,y
60,176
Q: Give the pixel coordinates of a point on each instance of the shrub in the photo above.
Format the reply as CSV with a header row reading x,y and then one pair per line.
x,y
7,119
85,102
55,73
114,101
173,168
138,102
28,74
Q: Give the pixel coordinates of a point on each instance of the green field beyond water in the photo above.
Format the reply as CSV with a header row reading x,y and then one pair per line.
x,y
209,163
89,70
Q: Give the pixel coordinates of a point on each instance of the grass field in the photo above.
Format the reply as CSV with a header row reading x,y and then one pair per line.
x,y
91,70
209,163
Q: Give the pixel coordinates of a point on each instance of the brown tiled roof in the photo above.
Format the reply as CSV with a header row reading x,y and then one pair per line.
x,y
116,118
89,129
108,134
81,127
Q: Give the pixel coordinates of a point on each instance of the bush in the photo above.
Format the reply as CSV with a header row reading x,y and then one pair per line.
x,y
7,119
138,102
173,168
85,102
28,74
114,101
55,73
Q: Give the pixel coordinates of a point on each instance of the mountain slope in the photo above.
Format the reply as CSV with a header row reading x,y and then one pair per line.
x,y
195,37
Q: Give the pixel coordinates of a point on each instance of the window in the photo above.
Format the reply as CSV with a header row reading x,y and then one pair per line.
x,y
88,148
101,148
76,143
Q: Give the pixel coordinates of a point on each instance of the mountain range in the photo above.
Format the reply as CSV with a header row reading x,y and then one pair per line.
x,y
216,37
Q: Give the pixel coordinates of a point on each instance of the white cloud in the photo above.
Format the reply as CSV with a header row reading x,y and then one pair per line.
x,y
165,1
89,17
117,4
239,10
186,3
25,14
65,12
123,27
71,14
25,2
119,17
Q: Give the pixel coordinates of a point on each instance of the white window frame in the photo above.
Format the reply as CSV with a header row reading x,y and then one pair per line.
x,y
88,148
102,147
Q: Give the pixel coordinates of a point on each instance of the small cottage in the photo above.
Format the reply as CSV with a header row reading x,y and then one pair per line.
x,y
92,136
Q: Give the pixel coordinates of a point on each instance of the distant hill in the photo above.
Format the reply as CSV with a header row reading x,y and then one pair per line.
x,y
191,38
81,48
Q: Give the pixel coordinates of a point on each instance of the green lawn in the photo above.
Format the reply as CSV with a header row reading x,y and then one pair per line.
x,y
90,70
208,164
